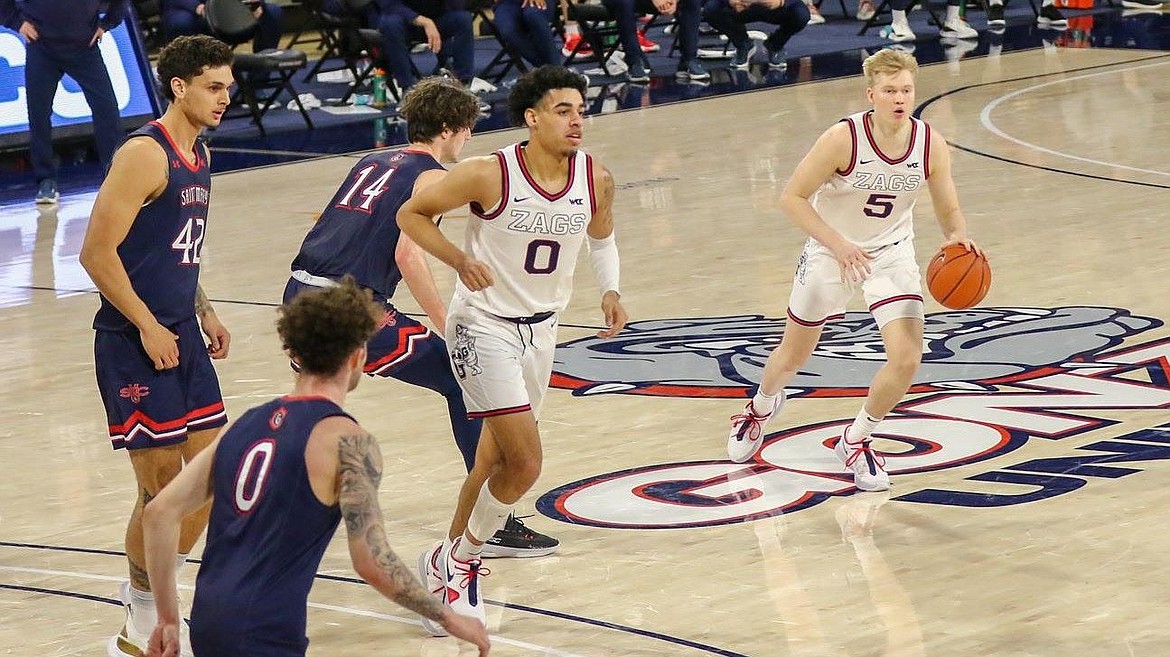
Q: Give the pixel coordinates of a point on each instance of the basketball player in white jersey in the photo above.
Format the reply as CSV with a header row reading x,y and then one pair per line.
x,y
533,205
854,195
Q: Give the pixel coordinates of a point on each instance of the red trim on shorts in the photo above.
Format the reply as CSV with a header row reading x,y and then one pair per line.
x,y
900,297
478,210
499,411
865,121
804,322
535,185
406,337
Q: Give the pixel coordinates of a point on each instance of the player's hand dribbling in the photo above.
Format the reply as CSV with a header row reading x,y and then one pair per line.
x,y
161,345
966,243
218,338
853,261
467,628
614,313
475,275
164,641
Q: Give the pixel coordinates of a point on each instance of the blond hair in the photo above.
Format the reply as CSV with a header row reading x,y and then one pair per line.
x,y
889,62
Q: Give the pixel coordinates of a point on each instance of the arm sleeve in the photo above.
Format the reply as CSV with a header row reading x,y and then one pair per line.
x,y
603,256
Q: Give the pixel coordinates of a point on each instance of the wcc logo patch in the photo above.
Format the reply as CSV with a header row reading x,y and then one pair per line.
x,y
993,380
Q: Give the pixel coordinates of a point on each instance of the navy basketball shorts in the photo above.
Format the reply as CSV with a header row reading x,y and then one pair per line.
x,y
146,407
398,341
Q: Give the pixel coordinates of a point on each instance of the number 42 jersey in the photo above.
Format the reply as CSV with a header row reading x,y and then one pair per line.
x,y
531,238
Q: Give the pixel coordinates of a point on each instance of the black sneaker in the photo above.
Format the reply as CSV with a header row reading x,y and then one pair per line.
x,y
517,540
1051,17
995,15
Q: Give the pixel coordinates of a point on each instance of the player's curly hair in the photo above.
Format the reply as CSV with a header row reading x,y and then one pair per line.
x,y
888,61
321,328
187,56
436,104
533,85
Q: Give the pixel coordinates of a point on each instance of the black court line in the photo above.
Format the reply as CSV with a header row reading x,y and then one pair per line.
x,y
918,114
649,634
241,302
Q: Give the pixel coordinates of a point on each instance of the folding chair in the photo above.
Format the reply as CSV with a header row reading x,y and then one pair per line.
x,y
269,71
597,26
149,14
507,58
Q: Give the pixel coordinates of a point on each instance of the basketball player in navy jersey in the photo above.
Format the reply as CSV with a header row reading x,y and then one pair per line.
x,y
142,250
854,195
282,477
357,235
533,205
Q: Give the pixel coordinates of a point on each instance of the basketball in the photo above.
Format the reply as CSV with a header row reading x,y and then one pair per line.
x,y
958,278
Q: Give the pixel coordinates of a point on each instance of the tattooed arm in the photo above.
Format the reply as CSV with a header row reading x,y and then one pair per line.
x,y
359,472
217,334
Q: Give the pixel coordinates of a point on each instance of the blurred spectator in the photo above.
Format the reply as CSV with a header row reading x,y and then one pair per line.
x,y
185,17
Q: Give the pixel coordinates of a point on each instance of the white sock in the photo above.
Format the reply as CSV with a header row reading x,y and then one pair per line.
x,y
999,3
1047,3
142,611
953,14
863,425
764,404
487,516
899,17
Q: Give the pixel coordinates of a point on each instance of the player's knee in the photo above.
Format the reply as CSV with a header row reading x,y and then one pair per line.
x,y
905,362
524,473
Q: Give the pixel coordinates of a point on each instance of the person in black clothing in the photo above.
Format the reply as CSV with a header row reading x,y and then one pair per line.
x,y
62,38
185,17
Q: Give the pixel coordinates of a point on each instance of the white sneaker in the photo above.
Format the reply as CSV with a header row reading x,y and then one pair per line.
x,y
868,466
898,32
430,572
131,643
464,594
959,29
747,429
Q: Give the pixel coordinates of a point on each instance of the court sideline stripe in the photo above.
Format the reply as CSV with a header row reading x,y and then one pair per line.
x,y
650,634
922,107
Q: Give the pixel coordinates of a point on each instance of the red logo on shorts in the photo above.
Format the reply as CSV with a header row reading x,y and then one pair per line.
x,y
134,392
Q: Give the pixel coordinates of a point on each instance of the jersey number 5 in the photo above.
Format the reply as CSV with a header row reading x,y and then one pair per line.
x,y
879,206
253,474
190,240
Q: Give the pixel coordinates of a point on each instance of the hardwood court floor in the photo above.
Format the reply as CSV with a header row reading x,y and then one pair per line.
x,y
1027,514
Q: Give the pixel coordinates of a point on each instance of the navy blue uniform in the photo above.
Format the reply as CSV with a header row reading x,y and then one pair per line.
x,y
146,407
357,234
267,534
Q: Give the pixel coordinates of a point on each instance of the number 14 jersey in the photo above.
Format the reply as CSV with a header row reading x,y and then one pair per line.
x,y
531,238
871,202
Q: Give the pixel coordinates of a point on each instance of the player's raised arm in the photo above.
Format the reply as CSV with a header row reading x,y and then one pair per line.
x,y
943,195
359,471
603,253
138,174
478,180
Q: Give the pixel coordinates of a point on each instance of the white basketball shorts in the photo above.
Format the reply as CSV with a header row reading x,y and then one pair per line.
x,y
502,365
893,289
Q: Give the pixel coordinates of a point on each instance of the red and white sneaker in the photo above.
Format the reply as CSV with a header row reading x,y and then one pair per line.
x,y
747,429
464,594
571,43
433,578
868,466
646,44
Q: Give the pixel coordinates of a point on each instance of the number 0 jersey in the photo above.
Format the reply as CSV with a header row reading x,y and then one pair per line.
x,y
531,238
161,250
871,202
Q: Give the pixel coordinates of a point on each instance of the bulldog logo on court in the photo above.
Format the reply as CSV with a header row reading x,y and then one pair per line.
x,y
993,380
725,356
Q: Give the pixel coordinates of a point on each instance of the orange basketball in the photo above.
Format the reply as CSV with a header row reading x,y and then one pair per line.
x,y
958,278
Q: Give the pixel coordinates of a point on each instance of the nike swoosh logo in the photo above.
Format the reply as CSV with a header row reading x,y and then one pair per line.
x,y
866,161
520,200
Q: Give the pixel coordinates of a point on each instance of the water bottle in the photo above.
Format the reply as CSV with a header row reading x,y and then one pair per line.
x,y
381,132
379,88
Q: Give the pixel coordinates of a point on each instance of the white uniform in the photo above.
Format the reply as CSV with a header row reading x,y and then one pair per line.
x,y
502,339
872,205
